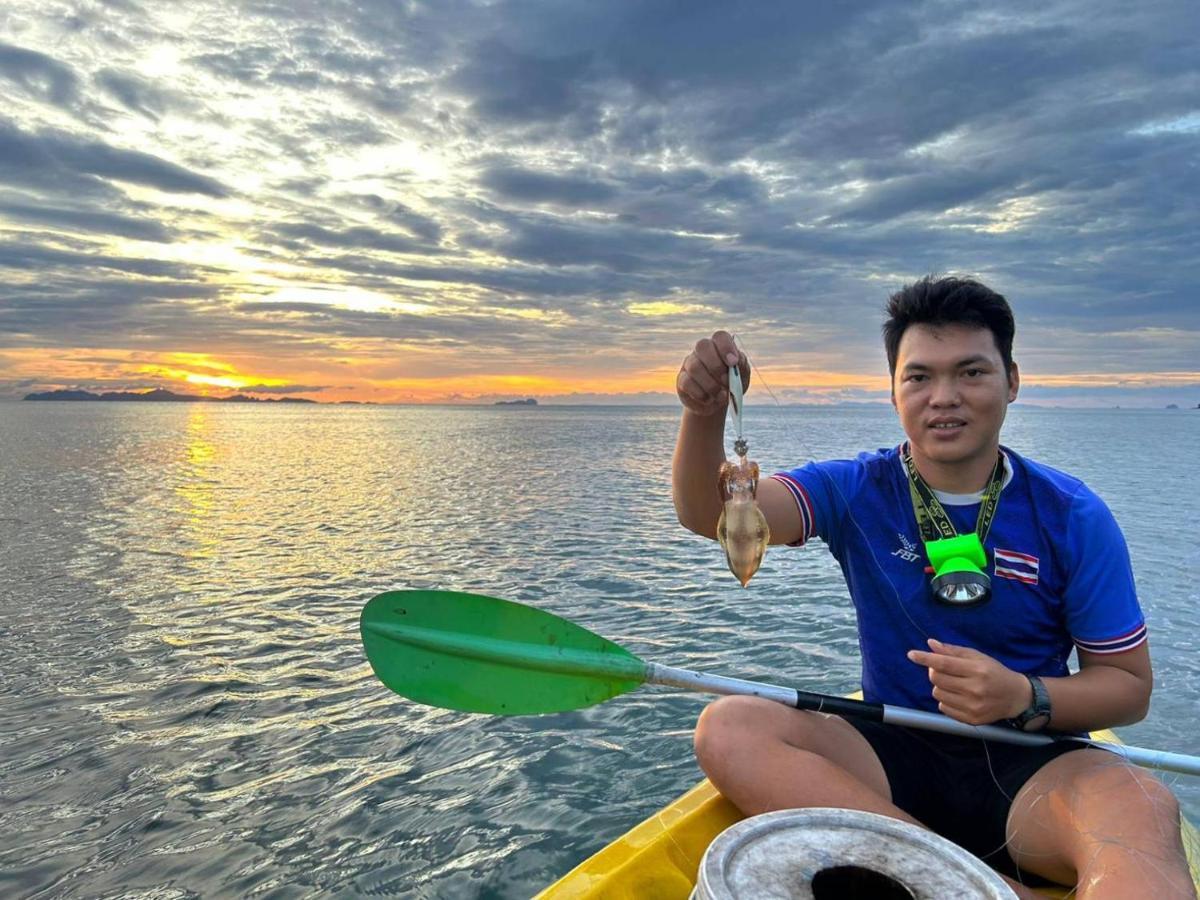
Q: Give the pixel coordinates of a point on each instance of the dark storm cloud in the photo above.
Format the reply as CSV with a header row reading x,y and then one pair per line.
x,y
52,160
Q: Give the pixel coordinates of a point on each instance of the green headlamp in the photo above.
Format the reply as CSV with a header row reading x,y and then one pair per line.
x,y
958,563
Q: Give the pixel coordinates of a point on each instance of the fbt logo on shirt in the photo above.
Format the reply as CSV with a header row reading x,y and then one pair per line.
x,y
907,550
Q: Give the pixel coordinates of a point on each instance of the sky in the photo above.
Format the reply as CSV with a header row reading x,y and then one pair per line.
x,y
463,202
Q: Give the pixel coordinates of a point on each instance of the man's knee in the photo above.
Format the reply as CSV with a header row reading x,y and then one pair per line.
x,y
732,723
723,724
1127,797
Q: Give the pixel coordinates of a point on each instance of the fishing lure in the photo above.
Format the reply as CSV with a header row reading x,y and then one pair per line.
x,y
742,528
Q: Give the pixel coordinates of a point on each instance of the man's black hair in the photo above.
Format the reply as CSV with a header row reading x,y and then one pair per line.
x,y
948,301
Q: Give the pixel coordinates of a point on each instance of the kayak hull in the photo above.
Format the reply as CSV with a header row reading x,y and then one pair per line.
x,y
661,856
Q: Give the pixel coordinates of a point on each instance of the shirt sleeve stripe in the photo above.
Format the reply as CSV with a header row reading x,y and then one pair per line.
x,y
1120,644
803,504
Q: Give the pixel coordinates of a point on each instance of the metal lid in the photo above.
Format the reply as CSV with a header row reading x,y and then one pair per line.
x,y
812,854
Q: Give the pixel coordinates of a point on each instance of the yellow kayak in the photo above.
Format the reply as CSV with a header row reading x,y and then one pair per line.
x,y
660,857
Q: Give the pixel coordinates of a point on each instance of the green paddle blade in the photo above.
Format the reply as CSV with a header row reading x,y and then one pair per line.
x,y
481,654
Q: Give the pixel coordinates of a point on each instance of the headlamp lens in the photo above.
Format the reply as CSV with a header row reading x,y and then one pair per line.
x,y
962,588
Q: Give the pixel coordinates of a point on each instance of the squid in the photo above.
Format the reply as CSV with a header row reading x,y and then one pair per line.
x,y
742,528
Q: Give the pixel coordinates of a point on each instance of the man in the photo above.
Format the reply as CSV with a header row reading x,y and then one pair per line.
x,y
1059,577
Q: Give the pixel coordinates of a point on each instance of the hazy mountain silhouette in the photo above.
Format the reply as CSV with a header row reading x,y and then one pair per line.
x,y
158,395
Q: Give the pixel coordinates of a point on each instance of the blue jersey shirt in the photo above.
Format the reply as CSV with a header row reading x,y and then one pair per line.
x,y
1058,563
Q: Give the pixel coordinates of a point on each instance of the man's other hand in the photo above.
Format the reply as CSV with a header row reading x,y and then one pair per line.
x,y
971,686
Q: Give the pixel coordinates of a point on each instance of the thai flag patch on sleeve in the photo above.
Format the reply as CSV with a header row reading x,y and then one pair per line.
x,y
1018,566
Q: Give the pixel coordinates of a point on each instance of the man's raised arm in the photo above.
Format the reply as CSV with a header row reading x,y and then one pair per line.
x,y
703,389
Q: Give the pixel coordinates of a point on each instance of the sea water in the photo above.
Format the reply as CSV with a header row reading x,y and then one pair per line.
x,y
185,709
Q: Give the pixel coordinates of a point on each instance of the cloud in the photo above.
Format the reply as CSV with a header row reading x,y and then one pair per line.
x,y
512,87
39,257
564,243
529,186
38,74
140,94
397,213
53,160
74,220
538,173
359,237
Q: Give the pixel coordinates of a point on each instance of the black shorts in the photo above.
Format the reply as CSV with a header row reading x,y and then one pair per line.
x,y
961,788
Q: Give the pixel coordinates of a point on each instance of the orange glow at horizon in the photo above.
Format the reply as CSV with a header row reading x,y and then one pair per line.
x,y
369,376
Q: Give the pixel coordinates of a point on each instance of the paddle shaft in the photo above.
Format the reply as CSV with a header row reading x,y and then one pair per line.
x,y
480,654
898,715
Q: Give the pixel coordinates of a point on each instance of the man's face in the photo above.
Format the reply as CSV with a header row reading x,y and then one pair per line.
x,y
951,392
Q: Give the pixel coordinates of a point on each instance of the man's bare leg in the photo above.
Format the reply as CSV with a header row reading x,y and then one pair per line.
x,y
1091,819
763,756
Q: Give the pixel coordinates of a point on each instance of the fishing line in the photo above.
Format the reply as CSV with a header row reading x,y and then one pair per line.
x,y
829,481
870,547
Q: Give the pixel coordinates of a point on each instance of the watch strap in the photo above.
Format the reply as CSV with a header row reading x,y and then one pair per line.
x,y
1040,705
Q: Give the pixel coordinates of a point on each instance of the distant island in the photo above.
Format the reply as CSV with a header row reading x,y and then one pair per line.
x,y
529,401
157,395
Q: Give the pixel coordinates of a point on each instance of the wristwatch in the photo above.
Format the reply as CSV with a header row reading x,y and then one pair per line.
x,y
1037,716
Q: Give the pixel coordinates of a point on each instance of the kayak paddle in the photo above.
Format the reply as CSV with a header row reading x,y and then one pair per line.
x,y
481,654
